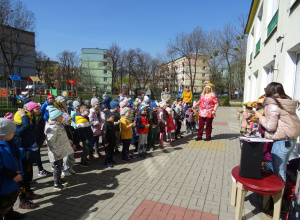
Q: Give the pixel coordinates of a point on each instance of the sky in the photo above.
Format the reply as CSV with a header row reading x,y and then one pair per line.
x,y
146,24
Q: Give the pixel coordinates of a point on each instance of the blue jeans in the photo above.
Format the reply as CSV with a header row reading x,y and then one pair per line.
x,y
280,154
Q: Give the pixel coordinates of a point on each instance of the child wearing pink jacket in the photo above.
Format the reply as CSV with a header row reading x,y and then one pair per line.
x,y
170,125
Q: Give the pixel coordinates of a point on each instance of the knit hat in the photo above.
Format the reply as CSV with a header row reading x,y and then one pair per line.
x,y
50,96
95,101
114,104
75,104
125,110
60,99
67,117
108,114
87,102
152,105
58,105
103,106
124,103
53,112
70,103
7,127
32,105
9,116
162,104
168,109
26,100
146,99
142,107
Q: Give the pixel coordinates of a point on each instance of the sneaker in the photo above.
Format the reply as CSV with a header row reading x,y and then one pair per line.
x,y
108,165
207,139
66,173
44,173
151,150
59,187
198,138
32,196
84,164
71,170
52,167
62,182
26,204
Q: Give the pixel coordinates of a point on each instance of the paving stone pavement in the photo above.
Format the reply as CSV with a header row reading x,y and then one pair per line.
x,y
193,176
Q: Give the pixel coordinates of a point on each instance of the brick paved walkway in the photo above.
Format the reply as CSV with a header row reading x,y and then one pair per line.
x,y
185,180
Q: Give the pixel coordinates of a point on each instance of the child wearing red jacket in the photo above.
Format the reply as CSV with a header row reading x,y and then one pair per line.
x,y
142,124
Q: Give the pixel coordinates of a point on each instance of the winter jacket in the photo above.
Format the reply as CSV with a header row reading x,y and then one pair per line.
x,y
162,116
153,120
189,115
178,113
141,122
72,134
187,96
106,101
57,141
109,136
25,133
83,127
126,129
95,122
44,111
117,118
170,124
10,162
280,123
39,130
246,116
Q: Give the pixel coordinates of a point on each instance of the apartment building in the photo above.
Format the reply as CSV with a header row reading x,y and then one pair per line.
x,y
96,69
273,47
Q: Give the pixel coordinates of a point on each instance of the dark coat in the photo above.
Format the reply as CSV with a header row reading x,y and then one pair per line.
x,y
72,134
25,133
153,120
39,130
108,132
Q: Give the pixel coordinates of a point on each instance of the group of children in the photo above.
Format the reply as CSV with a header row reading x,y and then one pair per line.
x,y
66,126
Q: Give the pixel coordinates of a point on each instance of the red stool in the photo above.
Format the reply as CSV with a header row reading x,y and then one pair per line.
x,y
270,184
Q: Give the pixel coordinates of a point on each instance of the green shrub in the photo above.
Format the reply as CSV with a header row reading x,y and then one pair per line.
x,y
226,102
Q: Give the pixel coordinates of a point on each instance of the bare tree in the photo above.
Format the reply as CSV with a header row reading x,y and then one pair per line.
x,y
114,54
69,66
14,16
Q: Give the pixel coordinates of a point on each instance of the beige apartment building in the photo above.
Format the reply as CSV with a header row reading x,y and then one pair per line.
x,y
184,71
17,53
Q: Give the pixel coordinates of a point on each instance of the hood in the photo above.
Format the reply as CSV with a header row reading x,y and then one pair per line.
x,y
288,104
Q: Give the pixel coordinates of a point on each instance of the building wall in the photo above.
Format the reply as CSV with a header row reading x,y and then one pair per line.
x,y
274,61
19,44
94,71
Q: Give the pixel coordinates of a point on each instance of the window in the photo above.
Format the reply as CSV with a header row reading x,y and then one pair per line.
x,y
203,74
203,68
272,16
17,35
270,75
18,47
251,39
19,70
104,56
105,86
18,59
104,64
105,79
258,30
105,71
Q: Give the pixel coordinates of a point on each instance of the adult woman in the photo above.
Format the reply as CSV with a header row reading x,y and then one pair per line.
x,y
165,96
187,97
282,125
208,105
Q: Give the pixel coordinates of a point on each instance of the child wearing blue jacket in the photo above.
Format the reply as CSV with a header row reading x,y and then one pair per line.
x,y
44,110
11,170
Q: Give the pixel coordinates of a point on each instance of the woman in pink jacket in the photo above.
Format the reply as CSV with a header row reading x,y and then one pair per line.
x,y
282,125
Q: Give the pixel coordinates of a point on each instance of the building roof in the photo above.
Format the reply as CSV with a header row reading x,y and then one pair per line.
x,y
15,77
72,82
34,79
251,15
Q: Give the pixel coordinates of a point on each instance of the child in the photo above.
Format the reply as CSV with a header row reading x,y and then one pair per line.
x,y
25,140
142,124
189,115
11,170
170,125
69,106
44,111
126,133
178,115
58,145
247,115
109,138
133,116
38,119
95,121
114,108
85,133
162,116
153,122
74,112
196,118
69,161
